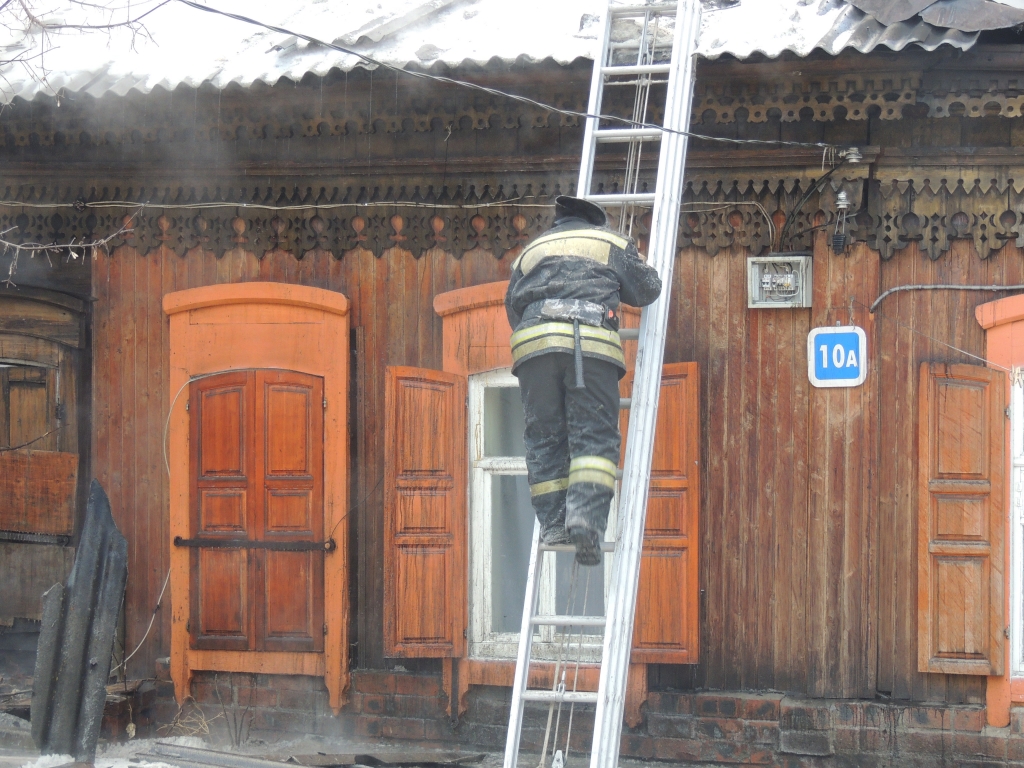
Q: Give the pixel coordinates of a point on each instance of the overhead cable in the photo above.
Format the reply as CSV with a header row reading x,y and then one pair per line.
x,y
495,91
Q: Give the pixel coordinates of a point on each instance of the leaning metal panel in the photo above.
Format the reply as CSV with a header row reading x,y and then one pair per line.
x,y
76,640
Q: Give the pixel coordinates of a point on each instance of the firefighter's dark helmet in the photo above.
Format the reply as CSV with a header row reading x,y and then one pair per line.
x,y
567,206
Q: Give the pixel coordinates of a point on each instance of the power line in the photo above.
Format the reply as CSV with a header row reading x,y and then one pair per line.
x,y
495,91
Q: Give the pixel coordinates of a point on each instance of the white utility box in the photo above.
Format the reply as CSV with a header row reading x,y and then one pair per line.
x,y
779,280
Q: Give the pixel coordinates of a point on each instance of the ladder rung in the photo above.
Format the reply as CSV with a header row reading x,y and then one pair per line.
x,y
568,621
637,10
629,334
627,134
625,403
568,697
638,69
606,546
637,198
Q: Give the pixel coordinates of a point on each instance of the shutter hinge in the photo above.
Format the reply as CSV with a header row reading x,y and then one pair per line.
x,y
325,629
325,403
1007,411
1006,632
188,625
186,405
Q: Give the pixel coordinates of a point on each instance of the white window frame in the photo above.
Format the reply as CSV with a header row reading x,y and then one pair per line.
x,y
1017,526
504,645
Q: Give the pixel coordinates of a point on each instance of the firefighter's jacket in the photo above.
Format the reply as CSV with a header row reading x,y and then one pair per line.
x,y
575,260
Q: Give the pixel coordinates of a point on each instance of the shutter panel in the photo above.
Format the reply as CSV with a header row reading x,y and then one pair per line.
x,y
961,444
289,409
223,463
424,513
666,629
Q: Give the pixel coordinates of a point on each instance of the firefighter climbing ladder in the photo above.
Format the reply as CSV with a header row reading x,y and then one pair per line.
x,y
654,21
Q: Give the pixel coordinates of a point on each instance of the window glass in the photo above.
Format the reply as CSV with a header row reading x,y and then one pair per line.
x,y
504,422
511,536
501,531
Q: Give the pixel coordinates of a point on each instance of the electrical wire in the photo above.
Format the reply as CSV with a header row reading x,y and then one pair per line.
x,y
817,186
933,339
898,288
495,91
78,206
152,618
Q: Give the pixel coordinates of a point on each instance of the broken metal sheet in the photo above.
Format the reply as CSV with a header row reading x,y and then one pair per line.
x,y
193,757
891,11
188,756
972,15
773,26
406,758
76,640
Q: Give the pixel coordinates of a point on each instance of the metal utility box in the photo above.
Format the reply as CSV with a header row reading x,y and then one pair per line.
x,y
779,280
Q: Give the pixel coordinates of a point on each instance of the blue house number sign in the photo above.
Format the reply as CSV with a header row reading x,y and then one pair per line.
x,y
837,356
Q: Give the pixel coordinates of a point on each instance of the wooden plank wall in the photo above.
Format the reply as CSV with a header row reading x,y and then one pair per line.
x,y
809,559
809,554
394,324
946,316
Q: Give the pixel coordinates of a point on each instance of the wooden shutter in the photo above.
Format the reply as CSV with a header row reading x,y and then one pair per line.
x,y
258,469
424,513
289,408
666,630
961,439
223,464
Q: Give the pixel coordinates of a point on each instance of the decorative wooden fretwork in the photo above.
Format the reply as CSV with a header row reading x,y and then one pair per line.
x,y
887,214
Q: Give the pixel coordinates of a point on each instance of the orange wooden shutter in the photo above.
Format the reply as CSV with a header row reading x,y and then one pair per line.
x,y
961,439
258,469
666,630
289,408
223,465
424,513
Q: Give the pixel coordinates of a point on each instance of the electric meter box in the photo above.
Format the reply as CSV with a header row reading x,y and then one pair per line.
x,y
779,281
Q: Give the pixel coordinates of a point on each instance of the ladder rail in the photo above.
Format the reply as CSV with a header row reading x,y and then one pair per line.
x,y
594,108
621,609
519,685
625,568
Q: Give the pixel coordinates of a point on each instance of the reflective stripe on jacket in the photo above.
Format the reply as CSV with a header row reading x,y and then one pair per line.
x,y
575,260
558,336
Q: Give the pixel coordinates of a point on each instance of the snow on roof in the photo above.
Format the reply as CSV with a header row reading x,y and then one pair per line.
x,y
183,45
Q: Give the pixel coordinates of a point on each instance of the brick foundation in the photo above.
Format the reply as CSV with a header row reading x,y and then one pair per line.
x,y
697,727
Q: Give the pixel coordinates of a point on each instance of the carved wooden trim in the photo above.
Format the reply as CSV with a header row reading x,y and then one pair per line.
x,y
930,199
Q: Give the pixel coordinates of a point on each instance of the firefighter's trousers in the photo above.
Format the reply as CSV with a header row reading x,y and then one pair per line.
x,y
572,439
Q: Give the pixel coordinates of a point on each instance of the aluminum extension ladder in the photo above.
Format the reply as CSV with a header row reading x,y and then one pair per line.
x,y
635,132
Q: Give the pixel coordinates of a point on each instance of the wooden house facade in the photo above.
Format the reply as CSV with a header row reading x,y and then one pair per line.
x,y
295,339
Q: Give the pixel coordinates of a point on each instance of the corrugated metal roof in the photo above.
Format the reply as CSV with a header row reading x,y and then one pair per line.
x,y
181,45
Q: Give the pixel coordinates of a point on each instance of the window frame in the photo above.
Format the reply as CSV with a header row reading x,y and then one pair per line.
x,y
483,643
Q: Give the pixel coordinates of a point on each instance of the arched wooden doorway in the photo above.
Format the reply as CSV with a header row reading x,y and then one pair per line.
x,y
258,455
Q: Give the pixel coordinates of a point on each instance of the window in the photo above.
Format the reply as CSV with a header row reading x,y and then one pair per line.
x,y
501,530
28,414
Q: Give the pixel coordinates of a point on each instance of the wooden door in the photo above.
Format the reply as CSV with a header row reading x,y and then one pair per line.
x,y
961,520
667,624
257,497
424,513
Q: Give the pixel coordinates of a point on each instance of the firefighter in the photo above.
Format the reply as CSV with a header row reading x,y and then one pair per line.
x,y
562,303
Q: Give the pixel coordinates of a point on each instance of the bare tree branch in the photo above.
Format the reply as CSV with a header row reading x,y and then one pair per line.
x,y
31,27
